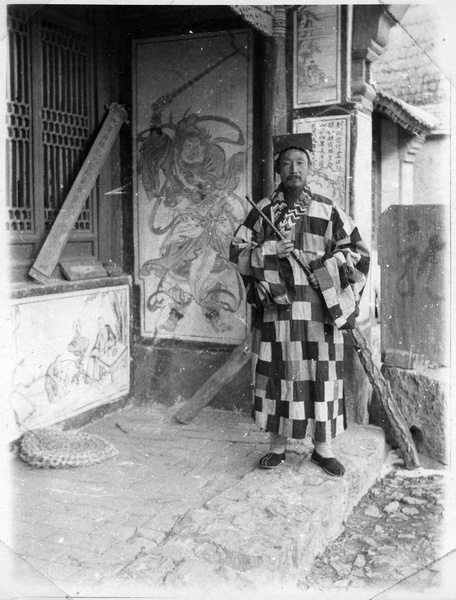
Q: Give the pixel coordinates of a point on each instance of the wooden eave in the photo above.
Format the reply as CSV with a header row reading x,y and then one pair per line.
x,y
411,118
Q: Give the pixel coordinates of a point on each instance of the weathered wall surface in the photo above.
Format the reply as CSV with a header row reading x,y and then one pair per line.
x,y
173,374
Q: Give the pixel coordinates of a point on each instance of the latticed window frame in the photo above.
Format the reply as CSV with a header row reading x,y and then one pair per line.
x,y
44,129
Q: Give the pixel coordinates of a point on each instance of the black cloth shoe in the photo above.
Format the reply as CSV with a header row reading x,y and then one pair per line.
x,y
329,465
272,460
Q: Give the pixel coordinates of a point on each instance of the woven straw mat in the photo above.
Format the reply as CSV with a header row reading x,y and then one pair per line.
x,y
53,448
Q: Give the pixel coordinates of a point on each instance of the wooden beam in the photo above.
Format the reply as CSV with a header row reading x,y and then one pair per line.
x,y
55,242
239,357
382,388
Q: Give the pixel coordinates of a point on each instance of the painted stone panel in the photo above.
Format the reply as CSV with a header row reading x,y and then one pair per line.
x,y
70,352
192,152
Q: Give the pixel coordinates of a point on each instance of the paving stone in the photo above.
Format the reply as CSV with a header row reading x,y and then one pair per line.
x,y
392,507
114,531
41,549
410,510
83,540
151,534
360,561
57,572
412,500
65,522
372,511
41,530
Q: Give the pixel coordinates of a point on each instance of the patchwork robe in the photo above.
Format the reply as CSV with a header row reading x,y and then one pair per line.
x,y
297,351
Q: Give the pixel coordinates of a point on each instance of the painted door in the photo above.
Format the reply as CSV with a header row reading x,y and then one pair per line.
x,y
192,149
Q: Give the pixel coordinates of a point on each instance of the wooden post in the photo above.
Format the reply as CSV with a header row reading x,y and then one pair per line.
x,y
239,357
275,92
383,390
279,72
50,252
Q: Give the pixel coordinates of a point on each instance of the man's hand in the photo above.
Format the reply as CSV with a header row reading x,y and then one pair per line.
x,y
284,248
313,281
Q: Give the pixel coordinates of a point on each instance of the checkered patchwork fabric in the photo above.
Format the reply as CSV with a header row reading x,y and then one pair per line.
x,y
341,277
273,278
297,352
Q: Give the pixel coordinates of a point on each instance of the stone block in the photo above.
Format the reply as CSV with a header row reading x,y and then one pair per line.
x,y
273,524
422,396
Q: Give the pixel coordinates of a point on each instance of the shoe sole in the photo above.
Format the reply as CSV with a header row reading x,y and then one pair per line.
x,y
269,468
326,470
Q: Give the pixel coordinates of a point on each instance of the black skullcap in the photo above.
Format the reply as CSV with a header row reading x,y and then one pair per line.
x,y
300,141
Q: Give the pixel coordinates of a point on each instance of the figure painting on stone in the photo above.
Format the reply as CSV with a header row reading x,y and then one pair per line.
x,y
192,168
80,360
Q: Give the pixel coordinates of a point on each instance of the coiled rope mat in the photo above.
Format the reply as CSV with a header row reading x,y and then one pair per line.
x,y
52,448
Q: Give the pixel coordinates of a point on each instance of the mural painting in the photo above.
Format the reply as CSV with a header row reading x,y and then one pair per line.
x,y
329,174
80,360
192,168
316,55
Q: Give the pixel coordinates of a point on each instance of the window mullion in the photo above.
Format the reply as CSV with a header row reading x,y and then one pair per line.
x,y
37,125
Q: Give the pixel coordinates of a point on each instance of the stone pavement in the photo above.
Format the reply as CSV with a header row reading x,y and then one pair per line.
x,y
181,512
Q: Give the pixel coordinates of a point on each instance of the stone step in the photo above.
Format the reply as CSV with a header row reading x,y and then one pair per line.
x,y
268,528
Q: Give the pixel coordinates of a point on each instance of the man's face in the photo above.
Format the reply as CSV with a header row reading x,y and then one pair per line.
x,y
293,169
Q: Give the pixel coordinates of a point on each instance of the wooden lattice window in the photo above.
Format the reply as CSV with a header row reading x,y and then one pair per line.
x,y
50,107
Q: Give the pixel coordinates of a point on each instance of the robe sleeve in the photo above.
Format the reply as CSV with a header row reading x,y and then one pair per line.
x,y
342,271
346,237
268,280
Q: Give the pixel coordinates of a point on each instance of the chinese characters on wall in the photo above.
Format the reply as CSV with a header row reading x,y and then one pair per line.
x,y
329,174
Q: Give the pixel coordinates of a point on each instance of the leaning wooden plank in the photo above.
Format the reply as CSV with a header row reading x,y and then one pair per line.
x,y
383,390
77,196
239,357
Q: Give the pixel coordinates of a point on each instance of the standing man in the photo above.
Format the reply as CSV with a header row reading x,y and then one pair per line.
x,y
297,350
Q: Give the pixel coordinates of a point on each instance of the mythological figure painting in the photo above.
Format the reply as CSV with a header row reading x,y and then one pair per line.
x,y
192,163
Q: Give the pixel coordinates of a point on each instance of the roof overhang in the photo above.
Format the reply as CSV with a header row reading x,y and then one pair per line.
x,y
411,118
